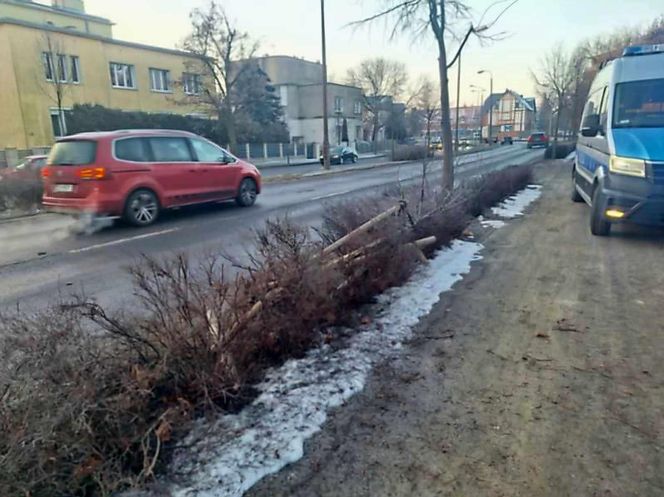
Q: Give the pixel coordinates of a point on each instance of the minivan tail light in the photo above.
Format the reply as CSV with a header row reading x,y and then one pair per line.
x,y
90,173
45,172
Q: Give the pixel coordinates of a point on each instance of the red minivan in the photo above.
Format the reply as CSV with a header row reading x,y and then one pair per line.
x,y
135,174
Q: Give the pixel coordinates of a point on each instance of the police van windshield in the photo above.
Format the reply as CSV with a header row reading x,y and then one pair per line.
x,y
640,104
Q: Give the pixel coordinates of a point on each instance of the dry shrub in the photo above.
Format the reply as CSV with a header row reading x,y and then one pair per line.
x,y
410,152
91,402
20,194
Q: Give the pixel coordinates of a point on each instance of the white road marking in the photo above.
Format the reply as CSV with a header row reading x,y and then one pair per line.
x,y
330,195
122,240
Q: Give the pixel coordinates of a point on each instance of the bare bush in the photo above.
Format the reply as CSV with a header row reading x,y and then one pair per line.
x,y
20,194
411,152
91,402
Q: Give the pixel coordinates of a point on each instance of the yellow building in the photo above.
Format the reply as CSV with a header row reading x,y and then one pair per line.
x,y
55,56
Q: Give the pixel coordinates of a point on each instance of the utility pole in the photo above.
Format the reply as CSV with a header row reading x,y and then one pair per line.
x,y
490,102
326,130
458,97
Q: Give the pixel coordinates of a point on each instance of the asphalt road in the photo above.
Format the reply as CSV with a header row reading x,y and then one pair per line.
x,y
41,262
271,171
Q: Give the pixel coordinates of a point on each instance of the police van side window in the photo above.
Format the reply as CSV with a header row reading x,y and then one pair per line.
x,y
592,110
603,111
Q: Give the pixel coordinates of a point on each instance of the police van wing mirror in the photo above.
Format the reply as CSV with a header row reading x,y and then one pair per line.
x,y
591,125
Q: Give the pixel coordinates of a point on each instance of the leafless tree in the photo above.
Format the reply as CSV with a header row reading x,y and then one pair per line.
x,y
220,44
378,78
439,17
556,77
53,77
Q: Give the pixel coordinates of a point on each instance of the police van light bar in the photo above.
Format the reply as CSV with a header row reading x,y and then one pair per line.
x,y
643,50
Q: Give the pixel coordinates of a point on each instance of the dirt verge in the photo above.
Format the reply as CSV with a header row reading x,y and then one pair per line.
x,y
541,373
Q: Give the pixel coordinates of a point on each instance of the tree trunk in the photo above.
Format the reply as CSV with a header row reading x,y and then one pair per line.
x,y
557,128
445,117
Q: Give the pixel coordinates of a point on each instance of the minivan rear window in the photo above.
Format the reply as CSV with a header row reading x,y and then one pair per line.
x,y
639,104
73,153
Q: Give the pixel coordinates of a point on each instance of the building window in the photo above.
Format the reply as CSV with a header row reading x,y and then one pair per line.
x,y
191,83
160,80
75,66
59,123
122,76
338,104
357,108
62,68
47,60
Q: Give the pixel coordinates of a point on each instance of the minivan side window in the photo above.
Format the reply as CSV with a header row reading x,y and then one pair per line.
x,y
132,149
207,152
170,149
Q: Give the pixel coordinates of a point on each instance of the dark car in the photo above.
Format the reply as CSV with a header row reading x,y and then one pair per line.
x,y
29,169
342,155
507,140
538,140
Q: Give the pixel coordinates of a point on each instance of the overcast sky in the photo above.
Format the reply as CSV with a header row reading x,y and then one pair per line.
x,y
292,27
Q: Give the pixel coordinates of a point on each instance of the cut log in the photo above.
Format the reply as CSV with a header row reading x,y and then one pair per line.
x,y
425,242
365,227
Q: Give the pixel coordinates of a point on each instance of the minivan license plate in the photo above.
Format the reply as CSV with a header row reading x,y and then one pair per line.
x,y
63,188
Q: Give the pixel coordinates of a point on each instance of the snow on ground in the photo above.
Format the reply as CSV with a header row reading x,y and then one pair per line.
x,y
516,204
270,433
493,223
227,457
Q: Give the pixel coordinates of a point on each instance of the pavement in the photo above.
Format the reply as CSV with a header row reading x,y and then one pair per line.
x,y
42,261
539,374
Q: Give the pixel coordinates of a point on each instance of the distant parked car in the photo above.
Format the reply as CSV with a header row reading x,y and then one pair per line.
x,y
507,140
29,169
538,140
342,155
136,174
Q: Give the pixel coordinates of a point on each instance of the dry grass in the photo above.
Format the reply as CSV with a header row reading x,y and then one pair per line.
x,y
91,402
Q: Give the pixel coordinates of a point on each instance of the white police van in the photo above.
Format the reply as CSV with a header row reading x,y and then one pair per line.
x,y
619,165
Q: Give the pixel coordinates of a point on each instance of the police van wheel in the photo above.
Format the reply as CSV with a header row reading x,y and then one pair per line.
x,y
576,196
599,226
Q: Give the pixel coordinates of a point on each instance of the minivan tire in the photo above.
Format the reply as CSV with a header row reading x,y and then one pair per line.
x,y
576,196
247,193
142,208
599,226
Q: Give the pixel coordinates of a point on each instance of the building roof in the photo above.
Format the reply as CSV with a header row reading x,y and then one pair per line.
x,y
80,34
494,98
67,12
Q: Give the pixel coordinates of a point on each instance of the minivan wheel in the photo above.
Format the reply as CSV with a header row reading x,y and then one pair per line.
x,y
142,208
576,196
599,226
248,193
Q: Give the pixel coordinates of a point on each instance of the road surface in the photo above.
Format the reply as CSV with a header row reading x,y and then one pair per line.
x,y
41,262
539,374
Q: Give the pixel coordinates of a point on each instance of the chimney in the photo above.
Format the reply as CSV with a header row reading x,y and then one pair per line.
x,y
70,5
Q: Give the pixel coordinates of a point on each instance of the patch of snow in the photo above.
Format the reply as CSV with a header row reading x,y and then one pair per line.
x,y
516,204
493,223
239,450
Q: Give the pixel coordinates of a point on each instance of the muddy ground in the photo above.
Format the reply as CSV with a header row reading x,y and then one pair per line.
x,y
540,374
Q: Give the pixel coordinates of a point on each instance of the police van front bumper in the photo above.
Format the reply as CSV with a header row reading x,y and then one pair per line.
x,y
634,200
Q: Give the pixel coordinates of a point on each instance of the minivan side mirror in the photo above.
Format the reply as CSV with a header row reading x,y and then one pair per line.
x,y
591,126
222,160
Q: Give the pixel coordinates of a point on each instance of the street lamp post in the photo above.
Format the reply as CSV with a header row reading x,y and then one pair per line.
x,y
480,100
490,102
458,97
326,130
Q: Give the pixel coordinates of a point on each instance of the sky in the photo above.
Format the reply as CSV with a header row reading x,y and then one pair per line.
x,y
292,27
